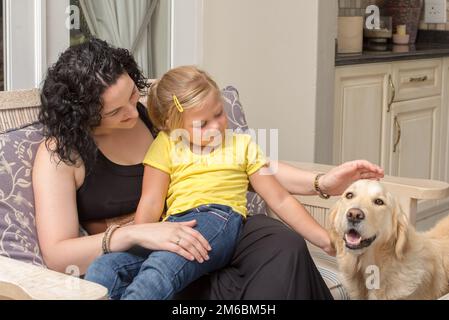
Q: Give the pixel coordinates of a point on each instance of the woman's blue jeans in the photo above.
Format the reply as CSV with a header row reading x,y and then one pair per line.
x,y
157,275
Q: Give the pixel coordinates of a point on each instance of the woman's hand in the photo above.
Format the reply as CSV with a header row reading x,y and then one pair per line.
x,y
340,178
177,237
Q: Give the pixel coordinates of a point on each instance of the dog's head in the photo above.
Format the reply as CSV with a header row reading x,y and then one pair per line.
x,y
367,216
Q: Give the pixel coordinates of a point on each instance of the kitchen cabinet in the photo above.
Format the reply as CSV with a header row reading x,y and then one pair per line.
x,y
396,114
393,114
361,98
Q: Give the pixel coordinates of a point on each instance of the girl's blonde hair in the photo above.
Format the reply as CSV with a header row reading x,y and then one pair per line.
x,y
189,84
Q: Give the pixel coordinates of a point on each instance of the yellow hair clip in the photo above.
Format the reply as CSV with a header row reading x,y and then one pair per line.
x,y
177,104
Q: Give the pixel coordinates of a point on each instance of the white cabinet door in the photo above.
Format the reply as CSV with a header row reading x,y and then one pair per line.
x,y
413,138
362,96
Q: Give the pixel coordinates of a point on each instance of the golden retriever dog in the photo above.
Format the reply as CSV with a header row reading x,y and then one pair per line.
x,y
379,254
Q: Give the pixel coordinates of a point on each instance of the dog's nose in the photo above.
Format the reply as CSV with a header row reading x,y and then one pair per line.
x,y
355,215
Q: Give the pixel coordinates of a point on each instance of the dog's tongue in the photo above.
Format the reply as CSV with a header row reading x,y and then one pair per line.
x,y
353,238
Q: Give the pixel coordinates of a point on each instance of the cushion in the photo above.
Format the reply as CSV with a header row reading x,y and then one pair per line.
x,y
18,236
237,122
328,268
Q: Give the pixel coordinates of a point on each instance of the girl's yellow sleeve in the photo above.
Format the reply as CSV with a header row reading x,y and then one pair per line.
x,y
255,157
158,155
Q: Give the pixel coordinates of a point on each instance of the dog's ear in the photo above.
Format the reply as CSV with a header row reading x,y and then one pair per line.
x,y
336,240
332,215
400,225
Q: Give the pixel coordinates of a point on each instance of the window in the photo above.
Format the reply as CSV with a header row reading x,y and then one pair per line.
x,y
141,26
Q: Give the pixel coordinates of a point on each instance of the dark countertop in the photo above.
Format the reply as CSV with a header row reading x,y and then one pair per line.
x,y
395,53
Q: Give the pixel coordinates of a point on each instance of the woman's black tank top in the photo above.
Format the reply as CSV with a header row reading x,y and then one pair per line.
x,y
112,190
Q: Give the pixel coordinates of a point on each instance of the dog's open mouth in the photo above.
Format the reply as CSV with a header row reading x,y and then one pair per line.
x,y
354,241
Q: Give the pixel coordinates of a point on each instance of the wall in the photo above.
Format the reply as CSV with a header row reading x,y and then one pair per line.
x,y
271,52
324,124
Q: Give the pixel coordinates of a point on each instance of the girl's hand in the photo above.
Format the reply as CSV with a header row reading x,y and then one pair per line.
x,y
330,250
177,237
328,246
340,178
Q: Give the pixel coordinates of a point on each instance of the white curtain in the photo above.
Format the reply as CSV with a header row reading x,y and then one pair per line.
x,y
125,24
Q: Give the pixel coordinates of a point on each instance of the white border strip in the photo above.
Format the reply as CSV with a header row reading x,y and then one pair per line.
x,y
40,41
7,36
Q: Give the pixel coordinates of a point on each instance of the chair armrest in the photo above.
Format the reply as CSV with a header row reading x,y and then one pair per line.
x,y
23,281
421,189
19,99
407,190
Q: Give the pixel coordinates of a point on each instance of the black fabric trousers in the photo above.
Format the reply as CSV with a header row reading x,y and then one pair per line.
x,y
270,262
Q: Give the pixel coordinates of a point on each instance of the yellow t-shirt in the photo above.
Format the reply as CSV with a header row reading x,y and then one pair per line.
x,y
220,176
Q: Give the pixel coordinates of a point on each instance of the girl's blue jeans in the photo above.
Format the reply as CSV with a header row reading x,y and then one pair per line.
x,y
157,275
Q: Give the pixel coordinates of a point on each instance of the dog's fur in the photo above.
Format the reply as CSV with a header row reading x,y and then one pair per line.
x,y
411,265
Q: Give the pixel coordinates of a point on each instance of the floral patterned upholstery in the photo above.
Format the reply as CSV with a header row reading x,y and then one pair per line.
x,y
237,122
18,237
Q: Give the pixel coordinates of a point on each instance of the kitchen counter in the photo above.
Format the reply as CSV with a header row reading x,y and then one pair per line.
x,y
395,53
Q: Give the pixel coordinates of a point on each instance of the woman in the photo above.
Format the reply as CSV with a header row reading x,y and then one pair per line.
x,y
89,170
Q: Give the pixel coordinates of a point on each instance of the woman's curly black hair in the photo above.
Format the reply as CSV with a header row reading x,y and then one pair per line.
x,y
72,97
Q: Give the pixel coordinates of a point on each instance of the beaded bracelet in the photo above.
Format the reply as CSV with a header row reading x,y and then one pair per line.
x,y
317,187
105,243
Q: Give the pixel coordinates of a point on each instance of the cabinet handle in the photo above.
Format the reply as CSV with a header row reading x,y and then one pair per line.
x,y
419,79
397,125
393,93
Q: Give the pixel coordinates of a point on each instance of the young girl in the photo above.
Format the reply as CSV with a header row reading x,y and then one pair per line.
x,y
197,170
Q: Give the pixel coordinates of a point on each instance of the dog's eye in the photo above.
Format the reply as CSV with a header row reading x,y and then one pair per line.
x,y
349,195
379,202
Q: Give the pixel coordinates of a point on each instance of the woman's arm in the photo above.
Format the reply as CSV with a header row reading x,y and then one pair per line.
x,y
301,182
290,210
154,191
57,223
